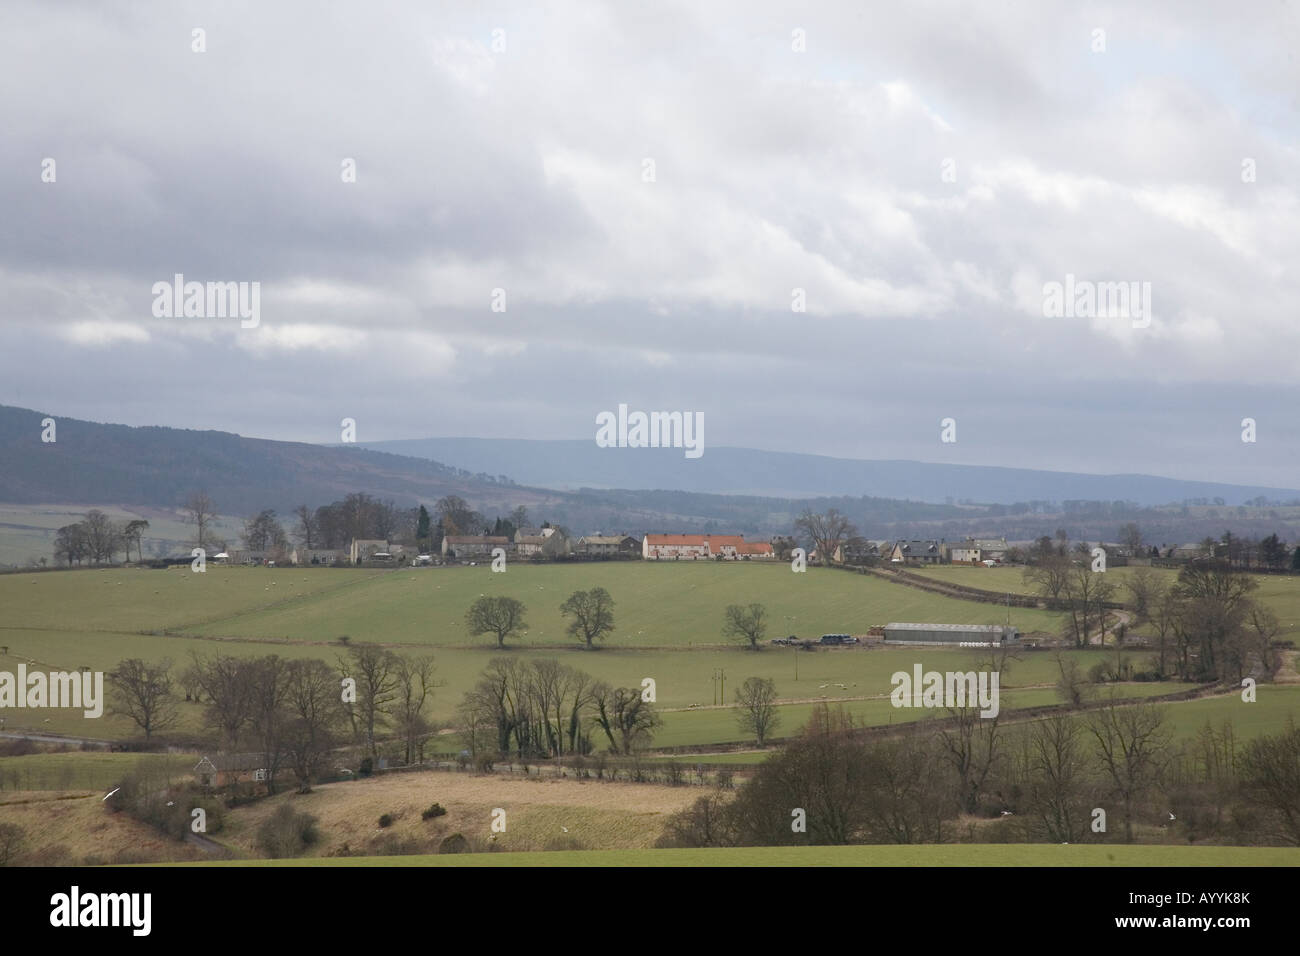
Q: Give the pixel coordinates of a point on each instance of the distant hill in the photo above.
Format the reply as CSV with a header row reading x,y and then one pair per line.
x,y
746,471
92,463
158,468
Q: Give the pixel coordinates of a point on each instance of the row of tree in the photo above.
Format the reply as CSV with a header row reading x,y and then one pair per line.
x,y
1063,779
97,539
294,712
542,708
590,614
1205,626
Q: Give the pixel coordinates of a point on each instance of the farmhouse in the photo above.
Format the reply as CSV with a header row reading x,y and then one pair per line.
x,y
917,552
473,546
530,541
977,550
985,634
317,556
363,548
601,545
221,770
702,547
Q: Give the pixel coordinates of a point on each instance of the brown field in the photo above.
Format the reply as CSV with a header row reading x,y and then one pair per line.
x,y
72,827
597,815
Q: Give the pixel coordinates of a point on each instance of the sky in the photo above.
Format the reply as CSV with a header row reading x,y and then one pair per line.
x,y
647,193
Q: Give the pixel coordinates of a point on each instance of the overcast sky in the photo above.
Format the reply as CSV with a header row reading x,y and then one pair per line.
x,y
505,146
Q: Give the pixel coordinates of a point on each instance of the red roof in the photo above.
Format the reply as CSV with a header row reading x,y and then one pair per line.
x,y
714,542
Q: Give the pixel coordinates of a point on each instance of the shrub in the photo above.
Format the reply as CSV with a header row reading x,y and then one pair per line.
x,y
11,839
287,833
434,811
367,766
456,843
385,821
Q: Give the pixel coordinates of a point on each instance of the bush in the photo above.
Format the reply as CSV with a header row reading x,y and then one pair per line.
x,y
434,811
456,843
385,821
367,766
12,837
287,833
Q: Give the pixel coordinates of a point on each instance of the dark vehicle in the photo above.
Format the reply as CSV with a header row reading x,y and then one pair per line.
x,y
838,639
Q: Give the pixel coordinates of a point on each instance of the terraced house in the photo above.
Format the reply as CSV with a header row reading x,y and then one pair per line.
x,y
703,547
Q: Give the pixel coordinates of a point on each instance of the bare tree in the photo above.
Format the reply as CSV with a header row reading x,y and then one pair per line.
x,y
1130,535
200,512
143,692
490,614
1271,774
745,623
269,685
132,534
308,527
627,719
1147,589
375,672
1086,592
1058,780
1131,744
758,715
1071,685
592,612
315,717
1048,575
827,531
226,683
415,686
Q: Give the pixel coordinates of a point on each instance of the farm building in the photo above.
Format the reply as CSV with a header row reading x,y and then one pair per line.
x,y
951,634
601,544
976,550
474,546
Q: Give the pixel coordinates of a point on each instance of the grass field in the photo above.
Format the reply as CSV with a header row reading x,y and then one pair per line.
x,y
1280,592
961,854
85,770
668,623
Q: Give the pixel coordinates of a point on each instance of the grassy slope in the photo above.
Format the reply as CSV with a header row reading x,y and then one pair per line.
x,y
965,855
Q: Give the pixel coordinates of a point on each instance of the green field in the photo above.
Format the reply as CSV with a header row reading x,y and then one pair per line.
x,y
668,628
959,854
88,770
1280,592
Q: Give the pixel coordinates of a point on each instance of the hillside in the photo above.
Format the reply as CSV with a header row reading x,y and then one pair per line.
x,y
92,463
749,471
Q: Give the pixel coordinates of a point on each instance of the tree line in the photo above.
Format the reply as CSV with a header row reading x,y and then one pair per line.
x,y
296,713
1114,773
